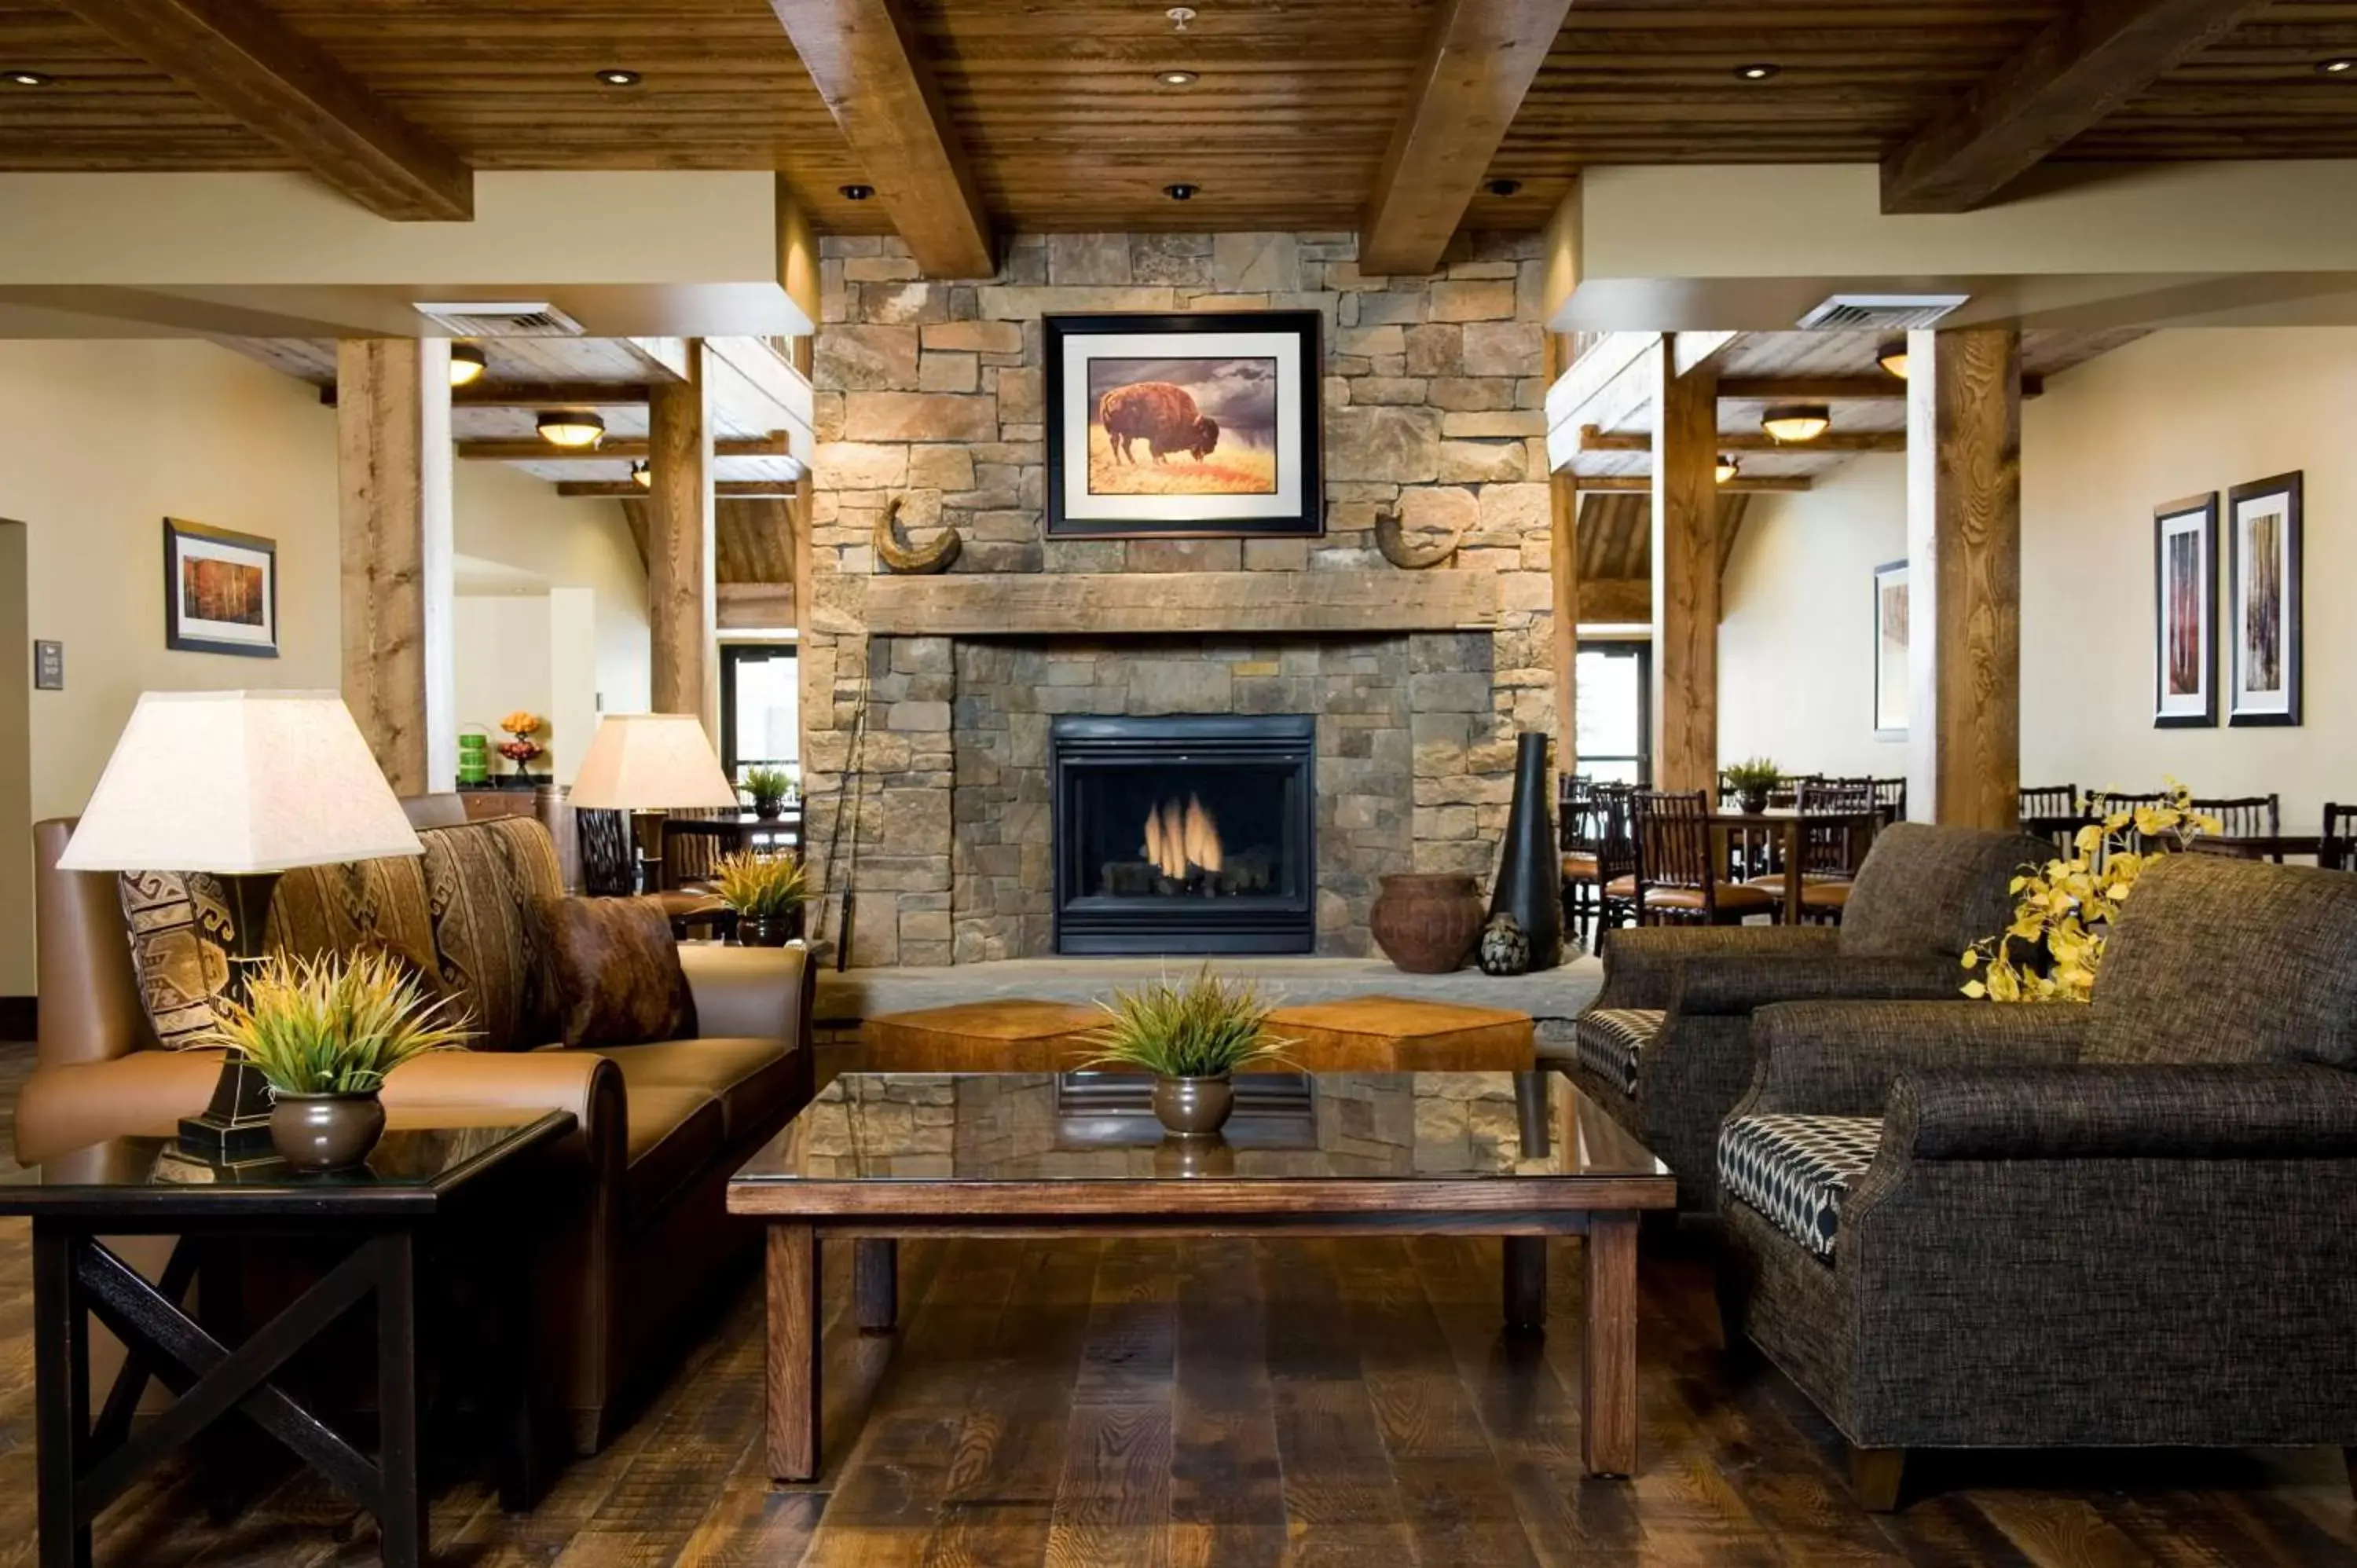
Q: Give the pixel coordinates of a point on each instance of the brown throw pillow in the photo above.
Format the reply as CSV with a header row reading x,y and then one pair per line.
x,y
614,971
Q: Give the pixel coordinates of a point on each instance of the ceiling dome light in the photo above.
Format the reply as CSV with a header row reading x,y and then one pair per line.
x,y
642,475
1892,356
2340,65
28,77
1504,186
1176,78
1181,191
1727,469
575,427
467,364
1758,70
614,76
1796,422
855,192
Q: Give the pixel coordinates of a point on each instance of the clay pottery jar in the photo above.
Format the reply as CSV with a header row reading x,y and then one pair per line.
x,y
1426,922
1193,1107
320,1132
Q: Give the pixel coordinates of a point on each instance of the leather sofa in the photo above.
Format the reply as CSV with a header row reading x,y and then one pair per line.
x,y
631,1270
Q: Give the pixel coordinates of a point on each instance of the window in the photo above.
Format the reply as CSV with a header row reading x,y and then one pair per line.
x,y
760,708
1615,730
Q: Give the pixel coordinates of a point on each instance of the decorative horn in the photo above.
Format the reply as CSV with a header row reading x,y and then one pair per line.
x,y
1411,557
909,560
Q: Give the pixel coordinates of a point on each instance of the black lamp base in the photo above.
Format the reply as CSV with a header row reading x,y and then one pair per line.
x,y
236,1123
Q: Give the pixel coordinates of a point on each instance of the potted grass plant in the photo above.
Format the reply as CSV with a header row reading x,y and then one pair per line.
x,y
324,1033
766,892
769,788
1191,1036
1751,781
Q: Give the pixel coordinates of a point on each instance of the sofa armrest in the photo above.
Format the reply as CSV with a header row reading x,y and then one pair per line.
x,y
587,1085
71,1106
1641,962
1840,1059
1723,987
2124,1110
760,993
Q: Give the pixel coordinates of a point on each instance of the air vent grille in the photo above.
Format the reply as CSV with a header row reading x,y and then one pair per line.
x,y
500,319
1879,312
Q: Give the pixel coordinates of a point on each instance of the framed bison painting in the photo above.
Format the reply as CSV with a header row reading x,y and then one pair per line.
x,y
1184,424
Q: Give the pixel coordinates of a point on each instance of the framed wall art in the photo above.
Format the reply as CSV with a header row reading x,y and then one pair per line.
x,y
2263,609
2185,612
1890,677
221,591
1204,424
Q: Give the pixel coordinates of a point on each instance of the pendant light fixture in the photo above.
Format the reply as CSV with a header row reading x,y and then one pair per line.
x,y
1727,469
467,364
1892,357
573,427
642,475
1791,422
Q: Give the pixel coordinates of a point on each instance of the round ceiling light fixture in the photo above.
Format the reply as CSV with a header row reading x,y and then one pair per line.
x,y
1176,78
642,475
856,192
1791,422
1181,191
1727,468
28,77
573,427
615,76
1179,17
1504,186
1758,70
1892,357
2339,65
467,364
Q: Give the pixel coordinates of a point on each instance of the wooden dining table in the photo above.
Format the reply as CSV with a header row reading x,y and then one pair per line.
x,y
1786,822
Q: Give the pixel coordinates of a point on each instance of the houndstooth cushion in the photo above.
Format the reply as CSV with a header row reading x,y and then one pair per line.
x,y
1609,1041
1796,1170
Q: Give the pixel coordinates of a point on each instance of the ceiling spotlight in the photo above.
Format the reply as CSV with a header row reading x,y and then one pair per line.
x,y
1759,71
2342,65
1892,357
28,77
1181,191
1504,186
642,475
1795,422
467,364
1727,469
856,192
613,76
1176,77
575,427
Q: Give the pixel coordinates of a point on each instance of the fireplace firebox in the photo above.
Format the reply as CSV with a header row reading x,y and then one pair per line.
x,y
1184,834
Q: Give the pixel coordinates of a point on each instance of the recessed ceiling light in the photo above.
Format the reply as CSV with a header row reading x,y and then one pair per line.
x,y
1176,77
467,364
1892,357
576,427
856,192
1181,191
1795,422
1727,469
2343,65
30,78
613,76
1504,186
1759,71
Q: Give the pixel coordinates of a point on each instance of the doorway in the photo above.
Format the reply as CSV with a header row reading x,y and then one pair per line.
x,y
1614,730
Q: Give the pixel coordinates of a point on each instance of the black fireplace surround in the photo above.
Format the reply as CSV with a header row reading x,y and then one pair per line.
x,y
1184,834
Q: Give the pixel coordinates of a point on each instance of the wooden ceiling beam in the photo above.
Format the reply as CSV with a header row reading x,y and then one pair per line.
x,y
536,394
239,57
534,450
1643,484
631,491
1875,388
2091,59
1477,65
865,61
1594,440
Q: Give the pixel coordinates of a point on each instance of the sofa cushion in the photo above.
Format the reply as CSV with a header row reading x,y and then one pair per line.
x,y
481,882
1609,1042
2215,960
181,929
752,1080
616,971
1926,889
1796,1170
673,1137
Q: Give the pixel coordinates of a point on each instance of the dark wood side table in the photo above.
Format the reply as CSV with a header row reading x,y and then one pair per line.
x,y
416,1178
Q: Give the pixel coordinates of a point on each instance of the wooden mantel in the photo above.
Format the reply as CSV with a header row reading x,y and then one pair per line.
x,y
1046,603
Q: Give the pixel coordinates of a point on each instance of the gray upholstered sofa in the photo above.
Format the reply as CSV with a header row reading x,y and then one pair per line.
x,y
2134,1222
1665,1048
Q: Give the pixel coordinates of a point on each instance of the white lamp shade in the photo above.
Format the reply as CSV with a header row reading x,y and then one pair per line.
x,y
651,762
238,782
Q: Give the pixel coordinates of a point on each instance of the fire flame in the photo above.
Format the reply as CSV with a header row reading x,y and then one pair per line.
x,y
1179,840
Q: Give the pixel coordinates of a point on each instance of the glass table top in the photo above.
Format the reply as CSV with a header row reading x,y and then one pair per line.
x,y
1017,1128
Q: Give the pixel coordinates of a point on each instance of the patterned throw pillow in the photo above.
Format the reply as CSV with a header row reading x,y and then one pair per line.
x,y
482,882
182,928
616,971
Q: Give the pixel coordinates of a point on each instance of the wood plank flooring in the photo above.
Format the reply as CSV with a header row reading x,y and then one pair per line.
x,y
1197,1404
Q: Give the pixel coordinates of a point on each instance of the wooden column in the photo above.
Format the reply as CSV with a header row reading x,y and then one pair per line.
x,y
1563,582
1964,552
392,482
1686,575
680,594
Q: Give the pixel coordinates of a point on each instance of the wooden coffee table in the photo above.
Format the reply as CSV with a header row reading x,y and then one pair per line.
x,y
1519,1155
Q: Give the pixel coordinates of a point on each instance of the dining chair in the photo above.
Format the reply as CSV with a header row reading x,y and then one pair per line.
x,y
2245,816
2054,812
2101,803
1576,829
1831,847
1677,877
1616,860
2338,849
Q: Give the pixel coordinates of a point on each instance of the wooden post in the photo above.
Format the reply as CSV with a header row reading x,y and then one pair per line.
x,y
1563,582
392,482
680,593
1964,552
1686,575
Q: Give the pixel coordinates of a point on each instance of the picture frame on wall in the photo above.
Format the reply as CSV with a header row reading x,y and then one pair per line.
x,y
2263,601
1890,677
221,591
2185,613
1205,424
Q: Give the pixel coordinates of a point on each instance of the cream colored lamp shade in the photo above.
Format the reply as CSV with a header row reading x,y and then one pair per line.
x,y
651,762
239,783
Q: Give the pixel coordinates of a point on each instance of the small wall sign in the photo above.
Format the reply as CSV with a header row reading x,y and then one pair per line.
x,y
48,665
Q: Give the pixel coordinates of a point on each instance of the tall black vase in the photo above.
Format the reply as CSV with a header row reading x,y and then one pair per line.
x,y
1530,875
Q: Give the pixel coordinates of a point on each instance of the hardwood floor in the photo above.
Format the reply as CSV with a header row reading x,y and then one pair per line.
x,y
1085,1403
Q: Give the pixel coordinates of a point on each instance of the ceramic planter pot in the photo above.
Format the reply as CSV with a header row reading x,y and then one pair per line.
x,y
320,1132
767,931
1193,1107
1426,922
1753,801
768,810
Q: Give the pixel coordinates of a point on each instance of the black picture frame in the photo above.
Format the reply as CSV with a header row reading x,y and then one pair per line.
x,y
2194,517
1885,574
185,627
2279,705
1298,430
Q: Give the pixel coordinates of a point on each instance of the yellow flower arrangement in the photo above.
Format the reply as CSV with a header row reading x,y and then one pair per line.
x,y
2067,905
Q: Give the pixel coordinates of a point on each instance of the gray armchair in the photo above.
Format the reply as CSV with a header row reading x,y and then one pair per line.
x,y
1966,1224
1665,1048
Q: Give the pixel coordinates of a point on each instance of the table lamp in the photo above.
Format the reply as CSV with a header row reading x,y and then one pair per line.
x,y
242,785
650,765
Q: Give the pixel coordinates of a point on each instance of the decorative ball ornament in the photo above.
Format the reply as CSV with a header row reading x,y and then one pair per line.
x,y
1505,949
